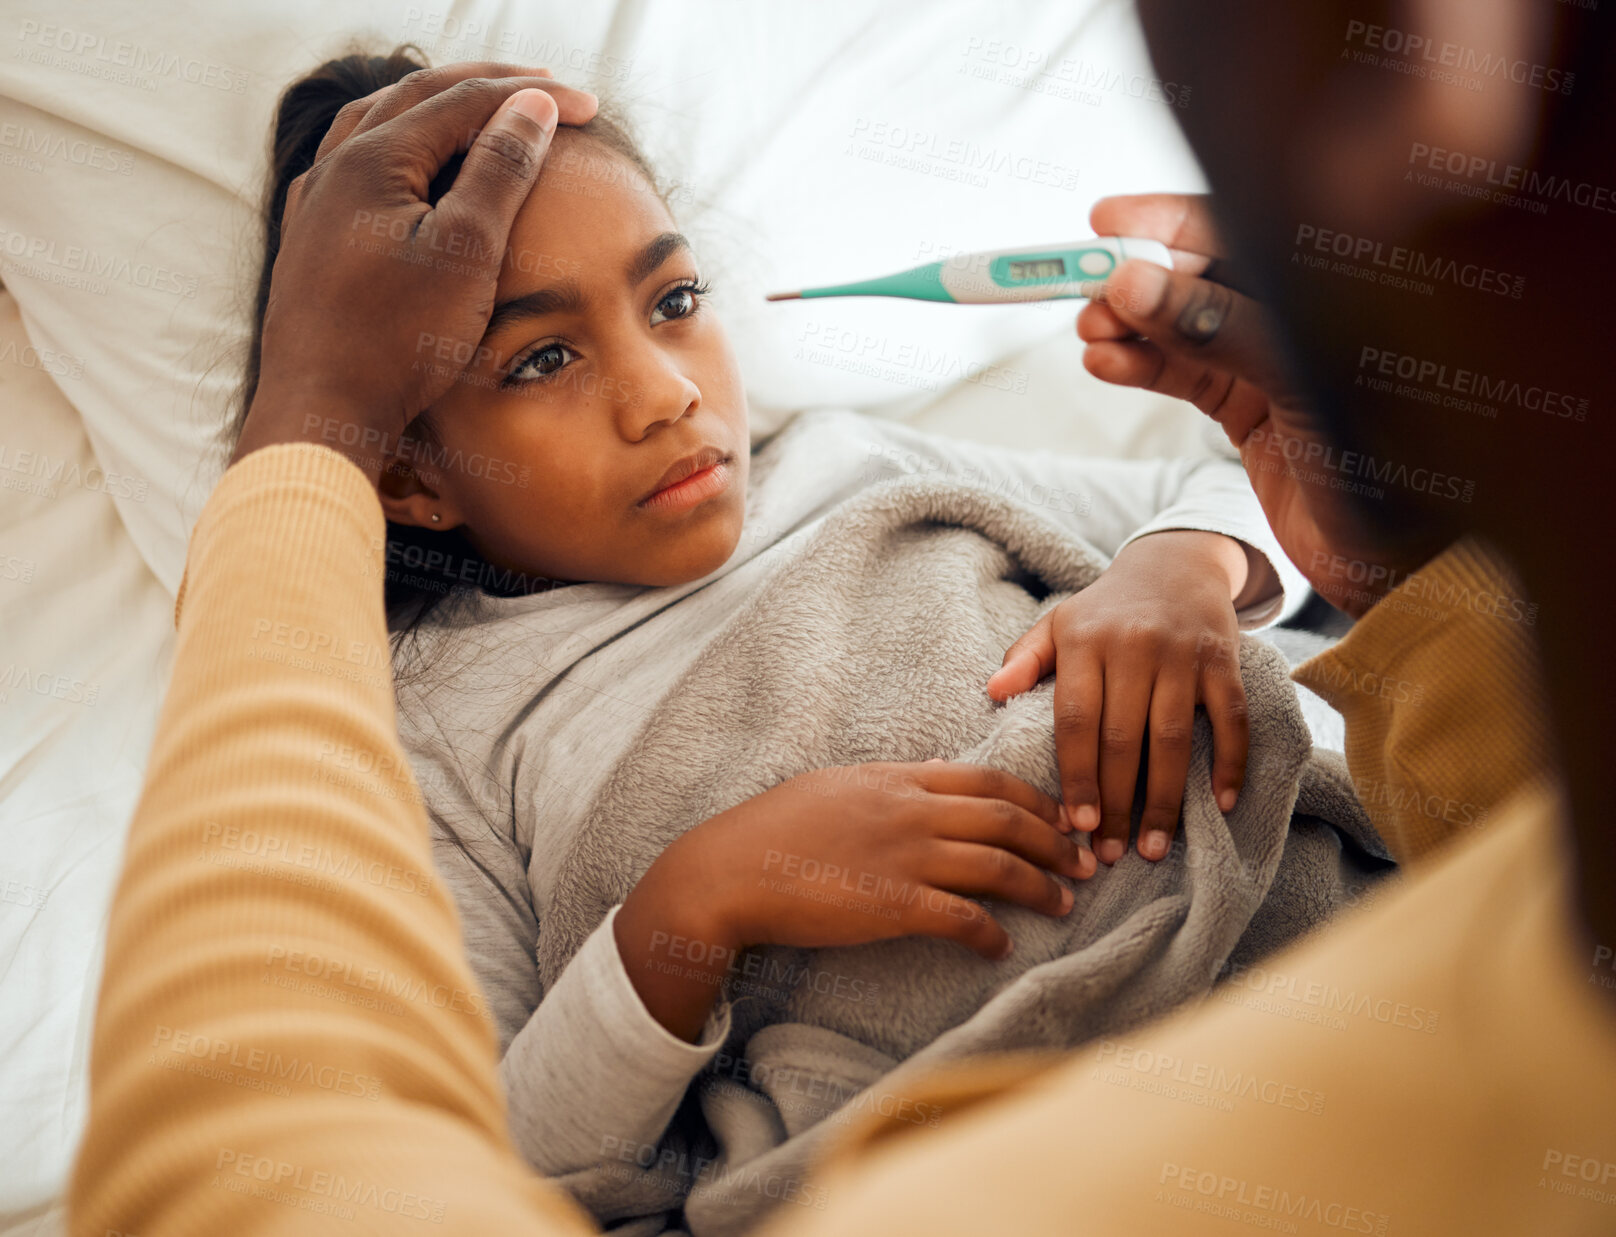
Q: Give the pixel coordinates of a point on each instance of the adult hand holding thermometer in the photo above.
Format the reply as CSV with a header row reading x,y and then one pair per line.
x,y
998,276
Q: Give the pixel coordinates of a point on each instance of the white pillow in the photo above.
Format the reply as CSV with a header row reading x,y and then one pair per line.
x,y
811,143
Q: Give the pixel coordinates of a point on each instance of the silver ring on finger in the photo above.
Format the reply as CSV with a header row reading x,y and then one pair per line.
x,y
1204,317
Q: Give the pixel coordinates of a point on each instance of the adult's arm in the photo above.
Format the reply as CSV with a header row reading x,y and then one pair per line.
x,y
1432,766
288,1036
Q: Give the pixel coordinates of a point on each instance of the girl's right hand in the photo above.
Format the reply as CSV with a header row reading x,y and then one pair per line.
x,y
843,856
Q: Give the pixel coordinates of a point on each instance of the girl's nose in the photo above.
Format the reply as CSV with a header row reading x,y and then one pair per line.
x,y
661,392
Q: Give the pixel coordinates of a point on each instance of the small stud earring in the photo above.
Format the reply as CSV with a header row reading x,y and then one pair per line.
x,y
436,517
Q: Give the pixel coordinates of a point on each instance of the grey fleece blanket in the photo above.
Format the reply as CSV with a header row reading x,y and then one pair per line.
x,y
874,646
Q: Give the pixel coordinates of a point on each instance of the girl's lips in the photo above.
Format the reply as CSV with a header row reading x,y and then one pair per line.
x,y
693,490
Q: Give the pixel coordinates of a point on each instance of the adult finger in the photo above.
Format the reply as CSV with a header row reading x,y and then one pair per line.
x,y
1172,724
575,106
1224,695
347,120
1181,221
427,135
1026,661
991,872
1197,319
498,172
362,115
982,781
1097,322
1234,403
1079,688
1178,220
1123,717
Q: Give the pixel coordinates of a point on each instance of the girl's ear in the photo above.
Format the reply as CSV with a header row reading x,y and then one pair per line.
x,y
408,495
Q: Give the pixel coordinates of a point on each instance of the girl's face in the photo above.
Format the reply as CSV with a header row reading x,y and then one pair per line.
x,y
599,371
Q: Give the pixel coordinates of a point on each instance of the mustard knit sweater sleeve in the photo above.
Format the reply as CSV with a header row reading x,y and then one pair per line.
x,y
288,1038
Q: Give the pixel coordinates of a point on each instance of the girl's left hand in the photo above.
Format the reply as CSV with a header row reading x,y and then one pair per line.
x,y
1153,637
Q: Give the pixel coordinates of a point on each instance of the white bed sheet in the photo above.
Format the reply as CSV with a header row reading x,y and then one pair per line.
x,y
86,647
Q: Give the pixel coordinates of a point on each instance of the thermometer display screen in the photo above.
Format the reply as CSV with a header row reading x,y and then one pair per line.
x,y
1038,268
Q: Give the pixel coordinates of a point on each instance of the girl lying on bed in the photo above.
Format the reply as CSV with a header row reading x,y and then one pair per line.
x,y
570,527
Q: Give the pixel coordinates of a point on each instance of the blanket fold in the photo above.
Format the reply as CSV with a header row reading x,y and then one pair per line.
x,y
874,645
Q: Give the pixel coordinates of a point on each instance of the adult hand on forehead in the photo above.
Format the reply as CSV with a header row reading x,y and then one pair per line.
x,y
1185,334
379,298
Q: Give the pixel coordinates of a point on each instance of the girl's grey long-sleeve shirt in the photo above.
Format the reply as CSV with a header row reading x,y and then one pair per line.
x,y
509,710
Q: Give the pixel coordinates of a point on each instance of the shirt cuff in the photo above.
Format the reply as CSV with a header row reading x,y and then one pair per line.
x,y
1279,601
621,1005
593,1069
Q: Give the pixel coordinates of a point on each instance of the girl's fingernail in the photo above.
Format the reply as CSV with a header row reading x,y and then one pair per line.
x,y
1108,851
1066,901
1087,818
1154,844
1226,801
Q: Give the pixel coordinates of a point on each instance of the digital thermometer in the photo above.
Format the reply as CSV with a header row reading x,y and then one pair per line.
x,y
1030,273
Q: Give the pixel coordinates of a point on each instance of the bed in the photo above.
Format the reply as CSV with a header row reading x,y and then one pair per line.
x,y
807,145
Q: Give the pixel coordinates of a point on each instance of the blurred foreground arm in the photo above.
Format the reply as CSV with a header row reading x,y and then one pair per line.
x,y
289,1038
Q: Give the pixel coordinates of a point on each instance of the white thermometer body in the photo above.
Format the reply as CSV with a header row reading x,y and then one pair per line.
x,y
1026,273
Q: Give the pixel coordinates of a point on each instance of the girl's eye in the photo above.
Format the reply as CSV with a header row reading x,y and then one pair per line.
x,y
540,363
681,302
546,359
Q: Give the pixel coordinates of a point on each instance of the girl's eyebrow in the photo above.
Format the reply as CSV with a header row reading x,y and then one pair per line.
x,y
654,255
567,297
